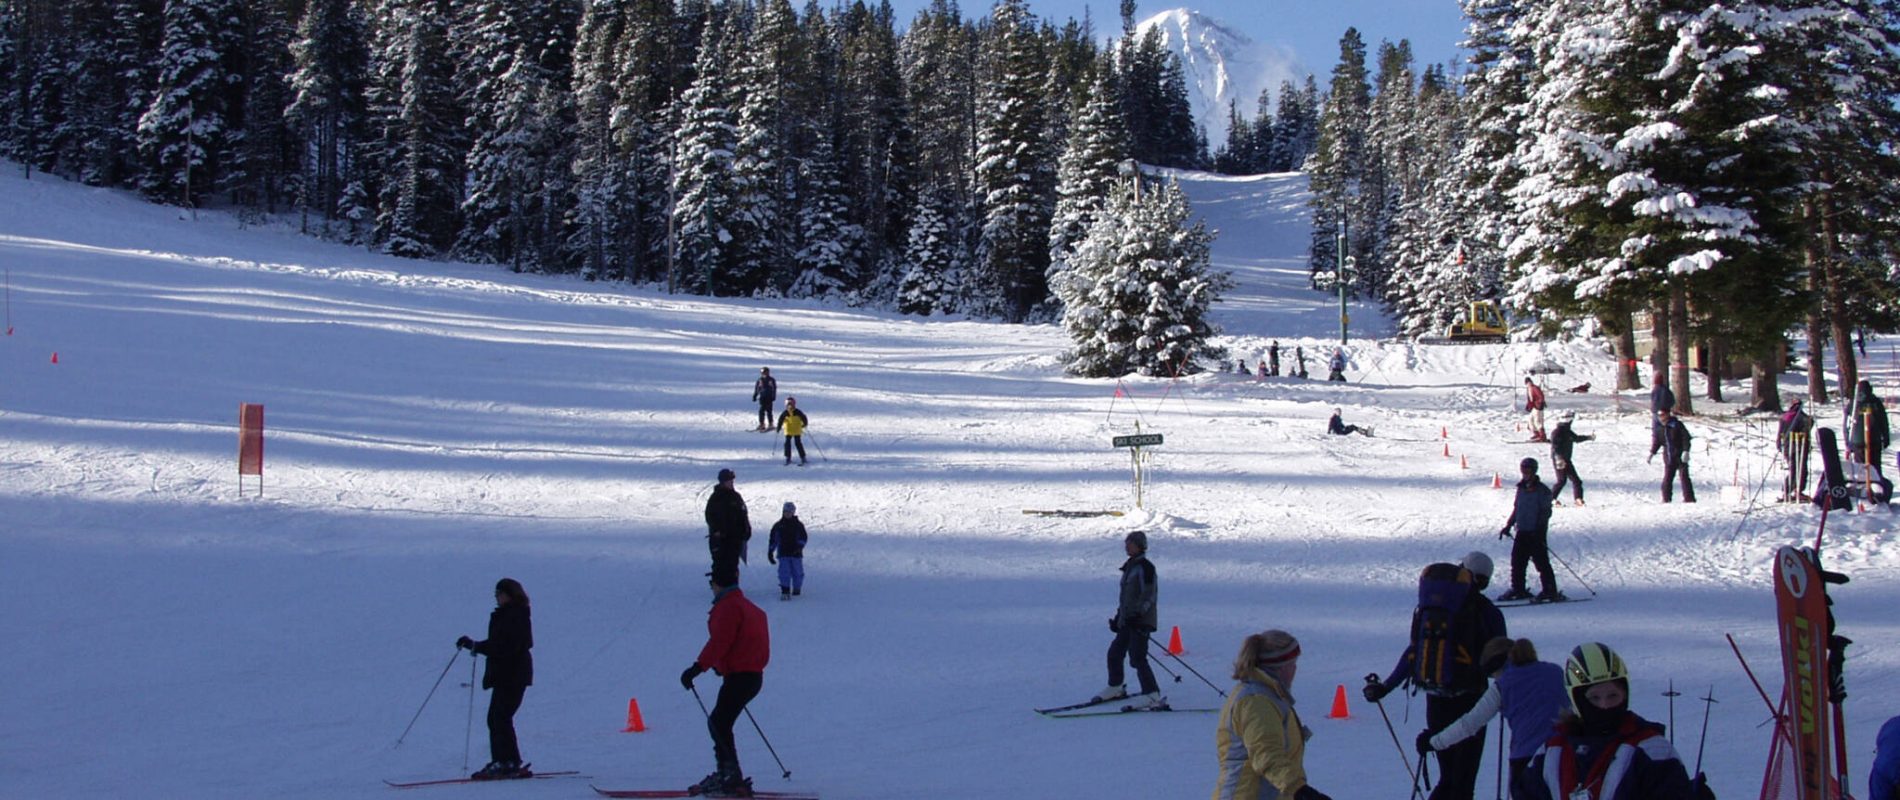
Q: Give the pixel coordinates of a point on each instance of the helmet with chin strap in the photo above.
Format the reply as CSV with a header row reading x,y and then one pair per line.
x,y
1592,663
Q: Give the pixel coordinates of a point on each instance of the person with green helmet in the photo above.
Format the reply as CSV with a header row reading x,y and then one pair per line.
x,y
1602,750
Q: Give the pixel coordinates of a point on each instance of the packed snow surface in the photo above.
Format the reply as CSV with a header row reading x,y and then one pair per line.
x,y
433,427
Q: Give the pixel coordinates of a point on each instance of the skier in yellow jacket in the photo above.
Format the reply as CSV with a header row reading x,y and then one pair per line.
x,y
793,421
1260,742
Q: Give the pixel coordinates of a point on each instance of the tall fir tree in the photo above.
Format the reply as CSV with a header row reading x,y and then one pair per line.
x,y
183,135
1337,165
1090,166
330,70
1011,168
702,188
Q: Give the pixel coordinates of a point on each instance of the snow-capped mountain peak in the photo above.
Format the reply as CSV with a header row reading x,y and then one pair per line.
x,y
1221,65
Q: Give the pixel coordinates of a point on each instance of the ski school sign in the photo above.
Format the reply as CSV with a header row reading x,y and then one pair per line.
x,y
1138,440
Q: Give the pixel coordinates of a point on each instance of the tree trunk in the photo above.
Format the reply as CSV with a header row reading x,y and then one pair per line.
x,y
1836,302
1679,350
1624,345
1817,340
1765,373
1659,342
1716,367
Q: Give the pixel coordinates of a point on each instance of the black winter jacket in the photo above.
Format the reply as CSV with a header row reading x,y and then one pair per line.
x,y
510,637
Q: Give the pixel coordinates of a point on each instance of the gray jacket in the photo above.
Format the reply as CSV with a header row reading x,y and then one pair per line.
x,y
1138,594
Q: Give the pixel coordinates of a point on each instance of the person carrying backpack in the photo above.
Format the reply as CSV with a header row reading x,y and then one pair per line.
x,y
1530,514
1528,692
1450,625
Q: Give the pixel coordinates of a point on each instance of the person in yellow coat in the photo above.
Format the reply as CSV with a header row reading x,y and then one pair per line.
x,y
793,421
1260,742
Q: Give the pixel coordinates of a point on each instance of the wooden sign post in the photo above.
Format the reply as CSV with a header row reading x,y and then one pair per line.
x,y
251,445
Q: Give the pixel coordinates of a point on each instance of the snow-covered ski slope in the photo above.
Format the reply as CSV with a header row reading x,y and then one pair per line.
x,y
434,427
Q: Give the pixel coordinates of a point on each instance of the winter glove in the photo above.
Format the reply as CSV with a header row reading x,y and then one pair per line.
x,y
1309,793
1702,790
1376,691
1504,533
1115,624
1425,742
465,643
1652,458
769,559
686,678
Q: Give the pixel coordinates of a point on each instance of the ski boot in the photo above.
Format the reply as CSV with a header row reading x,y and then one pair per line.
x,y
1514,594
1115,692
1552,596
1152,701
494,771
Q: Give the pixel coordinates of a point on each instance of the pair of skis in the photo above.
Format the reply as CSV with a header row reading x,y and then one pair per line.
x,y
450,781
652,793
1106,708
1517,603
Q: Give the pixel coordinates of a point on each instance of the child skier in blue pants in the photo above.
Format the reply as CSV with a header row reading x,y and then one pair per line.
x,y
788,542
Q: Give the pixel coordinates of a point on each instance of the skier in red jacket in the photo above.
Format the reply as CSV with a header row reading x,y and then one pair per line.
x,y
738,645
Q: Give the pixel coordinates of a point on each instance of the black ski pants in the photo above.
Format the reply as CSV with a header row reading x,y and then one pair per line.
x,y
765,414
1457,764
1131,643
503,702
791,440
1533,548
1677,466
1567,473
735,692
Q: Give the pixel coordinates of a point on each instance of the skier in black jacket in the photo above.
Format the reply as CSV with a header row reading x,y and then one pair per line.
x,y
1792,439
786,548
727,527
1135,618
1674,445
765,393
510,671
1530,515
1562,441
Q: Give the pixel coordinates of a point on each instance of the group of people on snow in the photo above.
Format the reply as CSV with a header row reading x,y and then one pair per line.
x,y
1269,367
792,421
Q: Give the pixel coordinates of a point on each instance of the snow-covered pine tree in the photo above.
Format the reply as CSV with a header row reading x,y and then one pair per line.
x,y
828,258
1336,167
1136,297
652,70
262,172
702,154
1429,284
874,144
1389,181
1011,169
595,237
764,167
933,262
327,83
183,135
1090,166
110,53
1485,166
1236,155
419,150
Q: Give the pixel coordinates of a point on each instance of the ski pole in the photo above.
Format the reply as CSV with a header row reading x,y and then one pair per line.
x,y
1500,757
425,699
768,744
814,446
1672,694
1708,703
1163,666
1573,573
1372,679
1424,777
1190,668
468,733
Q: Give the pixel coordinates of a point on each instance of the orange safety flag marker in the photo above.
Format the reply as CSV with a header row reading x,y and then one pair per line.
x,y
1339,704
634,723
1174,642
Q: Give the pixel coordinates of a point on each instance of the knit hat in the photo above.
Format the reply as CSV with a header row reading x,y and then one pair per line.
x,y
1529,464
1282,654
1139,538
724,575
726,475
789,508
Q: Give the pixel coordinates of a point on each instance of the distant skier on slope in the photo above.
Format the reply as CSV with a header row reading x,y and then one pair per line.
x,y
1563,441
1534,406
727,526
1674,444
793,423
738,646
765,393
786,548
1530,514
1135,618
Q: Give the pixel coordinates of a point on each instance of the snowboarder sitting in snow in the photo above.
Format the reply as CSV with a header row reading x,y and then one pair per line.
x,y
1530,514
1534,405
1260,742
1530,694
1562,441
1628,757
1336,427
788,540
1135,618
1450,625
1337,366
509,674
793,422
765,393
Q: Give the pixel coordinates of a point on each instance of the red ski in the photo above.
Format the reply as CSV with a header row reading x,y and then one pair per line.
x,y
685,793
446,781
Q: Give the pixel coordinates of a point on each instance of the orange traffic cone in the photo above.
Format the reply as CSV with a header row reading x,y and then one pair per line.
x,y
634,723
1448,449
1174,642
1444,433
56,356
1497,481
1339,704
1462,463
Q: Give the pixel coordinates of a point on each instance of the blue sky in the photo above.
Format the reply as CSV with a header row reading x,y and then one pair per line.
x,y
1310,27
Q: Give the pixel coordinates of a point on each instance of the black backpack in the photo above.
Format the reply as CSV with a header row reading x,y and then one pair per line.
x,y
1444,626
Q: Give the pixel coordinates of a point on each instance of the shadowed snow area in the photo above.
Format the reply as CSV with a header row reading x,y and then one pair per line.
x,y
433,427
